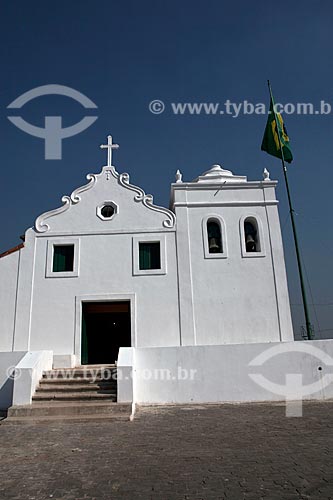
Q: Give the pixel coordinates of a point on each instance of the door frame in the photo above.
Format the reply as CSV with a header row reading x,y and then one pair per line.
x,y
110,297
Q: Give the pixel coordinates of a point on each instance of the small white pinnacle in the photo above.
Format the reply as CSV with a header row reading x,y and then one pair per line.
x,y
179,176
266,175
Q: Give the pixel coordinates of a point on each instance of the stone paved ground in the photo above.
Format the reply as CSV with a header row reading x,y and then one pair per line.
x,y
174,453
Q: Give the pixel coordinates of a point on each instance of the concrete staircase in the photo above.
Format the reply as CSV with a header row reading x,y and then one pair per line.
x,y
84,393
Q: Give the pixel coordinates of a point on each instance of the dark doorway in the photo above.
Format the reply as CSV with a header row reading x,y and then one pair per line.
x,y
106,326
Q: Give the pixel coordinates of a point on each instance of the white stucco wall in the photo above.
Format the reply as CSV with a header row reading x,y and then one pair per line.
x,y
105,273
238,298
214,374
8,286
105,269
192,300
234,298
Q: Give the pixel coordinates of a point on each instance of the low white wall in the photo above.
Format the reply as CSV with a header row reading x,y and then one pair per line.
x,y
210,374
28,373
8,362
125,390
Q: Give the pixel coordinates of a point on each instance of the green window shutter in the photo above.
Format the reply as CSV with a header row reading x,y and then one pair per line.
x,y
63,258
149,255
155,256
144,256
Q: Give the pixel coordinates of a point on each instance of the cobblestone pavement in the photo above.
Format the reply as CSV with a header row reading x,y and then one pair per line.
x,y
174,453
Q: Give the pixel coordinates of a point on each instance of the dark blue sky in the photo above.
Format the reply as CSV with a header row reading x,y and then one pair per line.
x,y
122,55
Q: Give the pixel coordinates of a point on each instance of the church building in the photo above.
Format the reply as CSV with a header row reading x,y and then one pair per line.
x,y
110,270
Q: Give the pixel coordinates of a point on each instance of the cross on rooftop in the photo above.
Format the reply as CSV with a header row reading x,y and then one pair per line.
x,y
109,146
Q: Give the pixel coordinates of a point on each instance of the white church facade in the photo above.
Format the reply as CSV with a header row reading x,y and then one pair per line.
x,y
109,277
110,269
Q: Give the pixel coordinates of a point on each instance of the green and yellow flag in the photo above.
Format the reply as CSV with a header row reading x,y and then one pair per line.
x,y
270,142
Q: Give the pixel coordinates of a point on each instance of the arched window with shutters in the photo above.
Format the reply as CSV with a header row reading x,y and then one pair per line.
x,y
214,237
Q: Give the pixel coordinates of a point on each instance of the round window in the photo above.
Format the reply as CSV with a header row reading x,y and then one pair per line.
x,y
107,211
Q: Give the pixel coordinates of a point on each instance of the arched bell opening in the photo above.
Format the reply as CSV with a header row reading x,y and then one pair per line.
x,y
251,235
214,236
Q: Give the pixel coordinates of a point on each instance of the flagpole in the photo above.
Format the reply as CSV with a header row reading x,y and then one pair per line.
x,y
293,223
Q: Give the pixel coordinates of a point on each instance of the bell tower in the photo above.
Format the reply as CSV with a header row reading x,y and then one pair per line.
x,y
232,277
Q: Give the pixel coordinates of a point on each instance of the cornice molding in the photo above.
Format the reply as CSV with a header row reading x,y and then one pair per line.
x,y
258,203
196,186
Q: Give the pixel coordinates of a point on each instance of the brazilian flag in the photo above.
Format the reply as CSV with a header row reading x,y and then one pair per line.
x,y
270,142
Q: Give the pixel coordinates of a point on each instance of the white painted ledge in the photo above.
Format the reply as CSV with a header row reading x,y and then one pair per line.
x,y
28,373
125,388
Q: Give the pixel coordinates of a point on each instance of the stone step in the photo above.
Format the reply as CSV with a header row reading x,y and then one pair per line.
x,y
86,367
76,381
68,409
81,376
81,387
74,396
106,374
91,371
65,419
